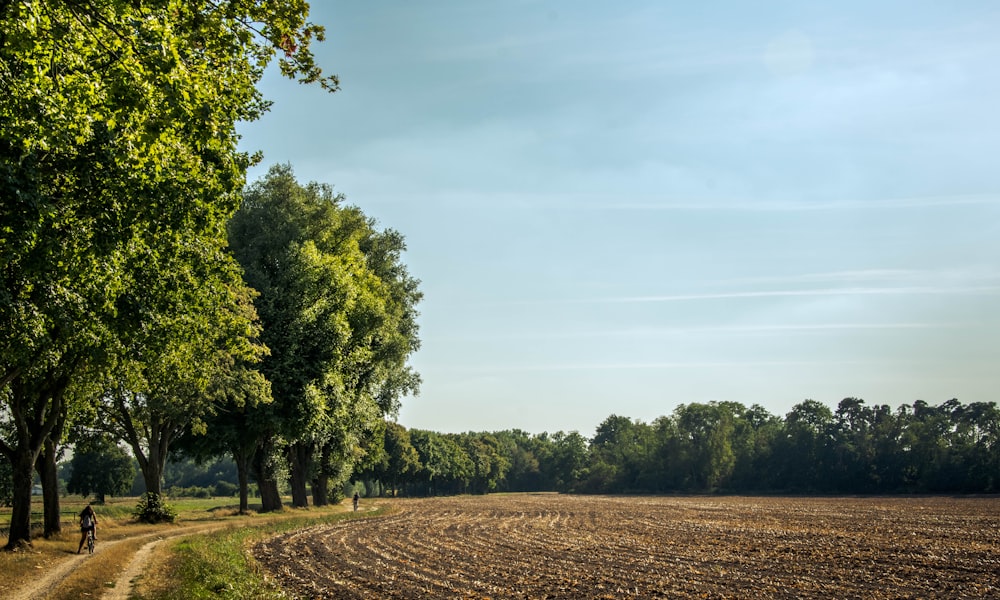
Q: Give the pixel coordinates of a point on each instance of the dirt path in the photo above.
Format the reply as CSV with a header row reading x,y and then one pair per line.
x,y
44,585
48,582
126,580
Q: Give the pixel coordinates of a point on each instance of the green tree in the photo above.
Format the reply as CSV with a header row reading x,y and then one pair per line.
x,y
230,427
568,460
756,433
173,378
619,453
338,312
431,454
521,450
118,145
400,461
445,466
805,448
706,432
100,467
866,447
976,440
927,455
489,465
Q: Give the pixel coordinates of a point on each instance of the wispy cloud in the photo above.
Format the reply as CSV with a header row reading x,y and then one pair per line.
x,y
971,281
632,366
715,205
602,202
855,291
665,332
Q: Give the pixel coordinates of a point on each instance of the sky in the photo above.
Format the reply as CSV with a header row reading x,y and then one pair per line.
x,y
621,207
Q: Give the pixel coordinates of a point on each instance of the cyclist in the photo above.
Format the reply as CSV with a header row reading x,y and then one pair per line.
x,y
356,499
88,522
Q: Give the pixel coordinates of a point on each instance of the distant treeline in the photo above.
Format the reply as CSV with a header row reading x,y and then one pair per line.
x,y
718,446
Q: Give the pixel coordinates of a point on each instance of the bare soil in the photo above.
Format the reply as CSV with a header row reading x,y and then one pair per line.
x,y
552,546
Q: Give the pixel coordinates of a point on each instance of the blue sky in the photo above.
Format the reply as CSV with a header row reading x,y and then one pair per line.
x,y
616,208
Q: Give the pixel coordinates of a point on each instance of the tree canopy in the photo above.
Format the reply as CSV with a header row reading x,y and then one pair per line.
x,y
118,166
721,447
100,467
338,311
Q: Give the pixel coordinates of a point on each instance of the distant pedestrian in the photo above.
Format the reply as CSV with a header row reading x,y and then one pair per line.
x,y
356,499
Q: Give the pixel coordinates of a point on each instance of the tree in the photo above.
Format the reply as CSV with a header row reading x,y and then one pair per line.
x,y
706,434
756,432
400,460
100,467
521,451
338,312
489,465
619,452
230,426
179,368
977,443
117,140
568,460
805,447
445,466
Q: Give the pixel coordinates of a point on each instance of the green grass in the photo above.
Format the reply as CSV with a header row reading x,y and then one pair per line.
x,y
207,566
122,508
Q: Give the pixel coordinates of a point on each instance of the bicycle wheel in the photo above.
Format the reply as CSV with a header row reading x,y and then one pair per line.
x,y
90,542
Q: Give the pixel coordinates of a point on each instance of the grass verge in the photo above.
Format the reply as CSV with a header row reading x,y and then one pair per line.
x,y
207,566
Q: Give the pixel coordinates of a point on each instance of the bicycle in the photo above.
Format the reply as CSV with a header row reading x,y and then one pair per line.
x,y
90,541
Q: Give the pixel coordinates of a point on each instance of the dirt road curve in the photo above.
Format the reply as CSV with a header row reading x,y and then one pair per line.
x,y
43,586
52,578
548,546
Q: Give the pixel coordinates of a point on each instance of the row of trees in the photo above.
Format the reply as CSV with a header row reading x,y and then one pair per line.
x,y
337,313
146,297
723,446
421,462
718,446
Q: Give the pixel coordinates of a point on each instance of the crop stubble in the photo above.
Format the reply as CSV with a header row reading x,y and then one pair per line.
x,y
553,546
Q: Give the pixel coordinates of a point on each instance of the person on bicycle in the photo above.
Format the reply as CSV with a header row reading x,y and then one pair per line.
x,y
356,499
88,523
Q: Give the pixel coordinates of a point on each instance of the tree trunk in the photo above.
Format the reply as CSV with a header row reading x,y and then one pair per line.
x,y
157,437
152,477
298,466
270,497
22,465
321,489
321,481
242,473
46,466
151,465
34,412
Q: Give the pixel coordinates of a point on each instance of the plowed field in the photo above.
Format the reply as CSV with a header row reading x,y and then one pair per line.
x,y
552,546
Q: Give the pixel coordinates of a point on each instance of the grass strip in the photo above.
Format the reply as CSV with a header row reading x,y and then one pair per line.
x,y
209,566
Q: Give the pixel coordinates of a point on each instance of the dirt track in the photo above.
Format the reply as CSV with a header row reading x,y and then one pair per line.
x,y
49,582
548,546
